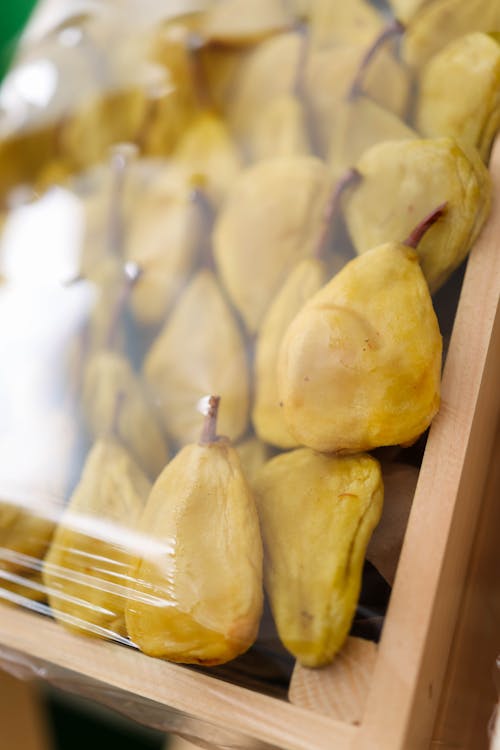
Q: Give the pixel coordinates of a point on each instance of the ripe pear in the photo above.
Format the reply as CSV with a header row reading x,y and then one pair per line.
x,y
360,365
460,92
360,124
272,219
404,10
280,130
165,234
209,154
317,514
388,200
437,23
253,88
200,348
267,415
353,23
330,74
245,21
197,592
109,379
86,571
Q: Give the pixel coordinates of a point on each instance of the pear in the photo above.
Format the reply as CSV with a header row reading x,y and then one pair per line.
x,y
437,23
165,234
389,199
317,514
406,9
330,74
253,455
199,348
253,88
197,592
267,415
272,219
109,378
360,124
353,23
360,365
460,92
245,21
280,130
86,571
207,151
27,590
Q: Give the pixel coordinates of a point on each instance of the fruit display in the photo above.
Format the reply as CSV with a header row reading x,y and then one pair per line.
x,y
230,339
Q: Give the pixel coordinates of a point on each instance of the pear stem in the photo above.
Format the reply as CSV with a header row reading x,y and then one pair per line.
x,y
394,28
420,230
120,158
120,398
349,179
132,273
209,431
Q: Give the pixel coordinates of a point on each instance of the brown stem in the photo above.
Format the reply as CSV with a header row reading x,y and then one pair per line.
x,y
394,28
209,431
195,44
349,179
416,236
120,398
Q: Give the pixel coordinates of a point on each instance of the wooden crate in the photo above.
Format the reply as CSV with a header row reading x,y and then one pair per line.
x,y
403,678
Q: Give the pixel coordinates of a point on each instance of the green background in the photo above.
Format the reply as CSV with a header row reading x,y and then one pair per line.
x,y
13,16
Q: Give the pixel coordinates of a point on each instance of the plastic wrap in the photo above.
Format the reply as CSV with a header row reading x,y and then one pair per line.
x,y
222,223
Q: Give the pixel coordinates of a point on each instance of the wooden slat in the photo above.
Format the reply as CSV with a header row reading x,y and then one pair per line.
x,y
235,708
339,690
415,643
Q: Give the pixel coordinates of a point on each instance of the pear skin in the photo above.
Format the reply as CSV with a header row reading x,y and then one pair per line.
x,y
199,350
253,455
109,377
245,21
272,219
313,508
280,130
86,571
389,199
197,592
360,365
267,415
459,92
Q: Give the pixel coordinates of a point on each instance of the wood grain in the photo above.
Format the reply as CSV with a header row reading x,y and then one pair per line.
x,y
341,689
22,719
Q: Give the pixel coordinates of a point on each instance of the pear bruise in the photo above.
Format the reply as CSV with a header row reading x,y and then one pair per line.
x,y
197,592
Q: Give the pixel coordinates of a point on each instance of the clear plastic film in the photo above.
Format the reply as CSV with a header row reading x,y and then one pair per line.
x,y
232,241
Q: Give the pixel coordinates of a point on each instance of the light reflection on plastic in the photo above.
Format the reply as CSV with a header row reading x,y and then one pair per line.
x,y
34,83
42,242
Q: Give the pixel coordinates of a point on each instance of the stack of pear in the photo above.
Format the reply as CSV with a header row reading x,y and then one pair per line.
x,y
199,349
388,200
317,513
459,92
245,21
360,365
197,591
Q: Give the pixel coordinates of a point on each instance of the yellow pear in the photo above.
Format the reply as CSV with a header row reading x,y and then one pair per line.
x,y
460,92
353,23
437,23
267,415
280,130
360,124
253,455
199,350
272,219
360,365
245,21
404,10
390,198
207,151
86,571
317,514
197,592
114,402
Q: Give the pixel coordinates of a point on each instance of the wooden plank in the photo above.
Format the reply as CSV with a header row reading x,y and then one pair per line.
x,y
341,689
470,695
254,715
22,719
424,604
